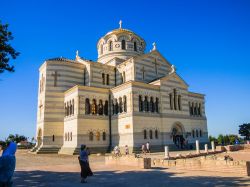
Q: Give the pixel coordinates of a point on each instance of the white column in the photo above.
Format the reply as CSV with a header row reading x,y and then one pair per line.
x,y
197,147
206,148
166,152
212,145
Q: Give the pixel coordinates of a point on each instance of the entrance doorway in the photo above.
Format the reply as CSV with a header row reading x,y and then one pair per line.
x,y
177,135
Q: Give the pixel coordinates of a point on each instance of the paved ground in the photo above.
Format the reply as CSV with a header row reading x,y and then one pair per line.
x,y
62,170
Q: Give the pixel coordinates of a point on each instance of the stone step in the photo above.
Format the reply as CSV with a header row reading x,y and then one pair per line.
x,y
47,150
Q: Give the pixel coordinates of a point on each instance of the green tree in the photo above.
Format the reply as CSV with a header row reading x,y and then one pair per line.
x,y
212,138
16,138
6,50
220,139
226,140
244,130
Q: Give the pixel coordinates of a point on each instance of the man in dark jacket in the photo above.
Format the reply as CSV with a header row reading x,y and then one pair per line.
x,y
7,165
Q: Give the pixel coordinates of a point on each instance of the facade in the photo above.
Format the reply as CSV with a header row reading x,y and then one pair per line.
x,y
128,97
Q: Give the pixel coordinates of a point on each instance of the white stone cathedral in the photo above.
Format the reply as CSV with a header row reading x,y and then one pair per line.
x,y
128,97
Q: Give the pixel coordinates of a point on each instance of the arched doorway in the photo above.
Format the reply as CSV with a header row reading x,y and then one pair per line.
x,y
39,137
178,135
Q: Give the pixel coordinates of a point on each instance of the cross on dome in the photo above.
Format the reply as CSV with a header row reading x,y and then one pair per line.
x,y
154,46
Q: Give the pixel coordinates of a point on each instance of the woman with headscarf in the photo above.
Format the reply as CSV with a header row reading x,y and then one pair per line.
x,y
7,164
84,163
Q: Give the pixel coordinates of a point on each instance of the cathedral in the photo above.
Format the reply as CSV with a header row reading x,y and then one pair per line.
x,y
127,97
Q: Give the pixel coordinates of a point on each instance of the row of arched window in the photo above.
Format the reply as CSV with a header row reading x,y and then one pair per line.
x,y
148,104
123,43
97,136
105,79
197,133
195,109
175,101
69,108
119,105
151,134
68,136
100,108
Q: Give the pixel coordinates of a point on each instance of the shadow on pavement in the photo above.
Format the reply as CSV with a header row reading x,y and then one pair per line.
x,y
157,178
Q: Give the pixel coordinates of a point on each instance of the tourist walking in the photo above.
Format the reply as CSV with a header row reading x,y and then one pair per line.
x,y
126,150
148,147
143,149
7,163
84,163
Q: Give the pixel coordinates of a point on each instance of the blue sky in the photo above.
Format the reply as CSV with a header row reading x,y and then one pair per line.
x,y
208,42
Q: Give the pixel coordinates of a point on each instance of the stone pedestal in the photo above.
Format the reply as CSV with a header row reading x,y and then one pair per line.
x,y
212,145
206,148
166,152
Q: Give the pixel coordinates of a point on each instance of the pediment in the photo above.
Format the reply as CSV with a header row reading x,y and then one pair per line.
x,y
176,78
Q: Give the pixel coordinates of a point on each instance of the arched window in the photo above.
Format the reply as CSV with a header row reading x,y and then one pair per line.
x,y
151,105
190,109
100,108
145,134
124,103
156,134
98,136
171,101
200,133
71,136
151,134
110,46
103,78
116,107
179,102
53,138
113,107
140,104
91,136
101,49
193,133
107,79
70,109
195,109
175,99
120,105
123,44
87,106
135,46
65,109
73,106
93,107
197,133
84,76
106,108
157,105
200,112
146,104
104,136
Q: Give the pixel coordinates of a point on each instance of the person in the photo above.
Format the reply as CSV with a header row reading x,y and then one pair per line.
x,y
147,147
143,149
84,163
117,151
7,163
126,150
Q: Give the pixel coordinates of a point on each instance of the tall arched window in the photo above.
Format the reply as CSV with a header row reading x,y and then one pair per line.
x,y
107,79
65,109
145,134
70,136
93,107
110,46
146,104
73,107
116,107
113,107
140,103
120,105
197,133
106,108
123,44
193,133
195,109
157,105
171,101
53,138
156,134
135,46
103,78
84,76
104,136
179,102
91,136
100,108
70,110
151,134
175,99
151,105
190,109
124,103
98,136
87,106
199,109
200,133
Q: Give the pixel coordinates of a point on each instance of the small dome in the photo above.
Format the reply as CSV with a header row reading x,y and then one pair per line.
x,y
120,43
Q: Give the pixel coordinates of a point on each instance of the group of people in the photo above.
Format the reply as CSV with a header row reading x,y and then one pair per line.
x,y
7,163
180,141
145,148
117,150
